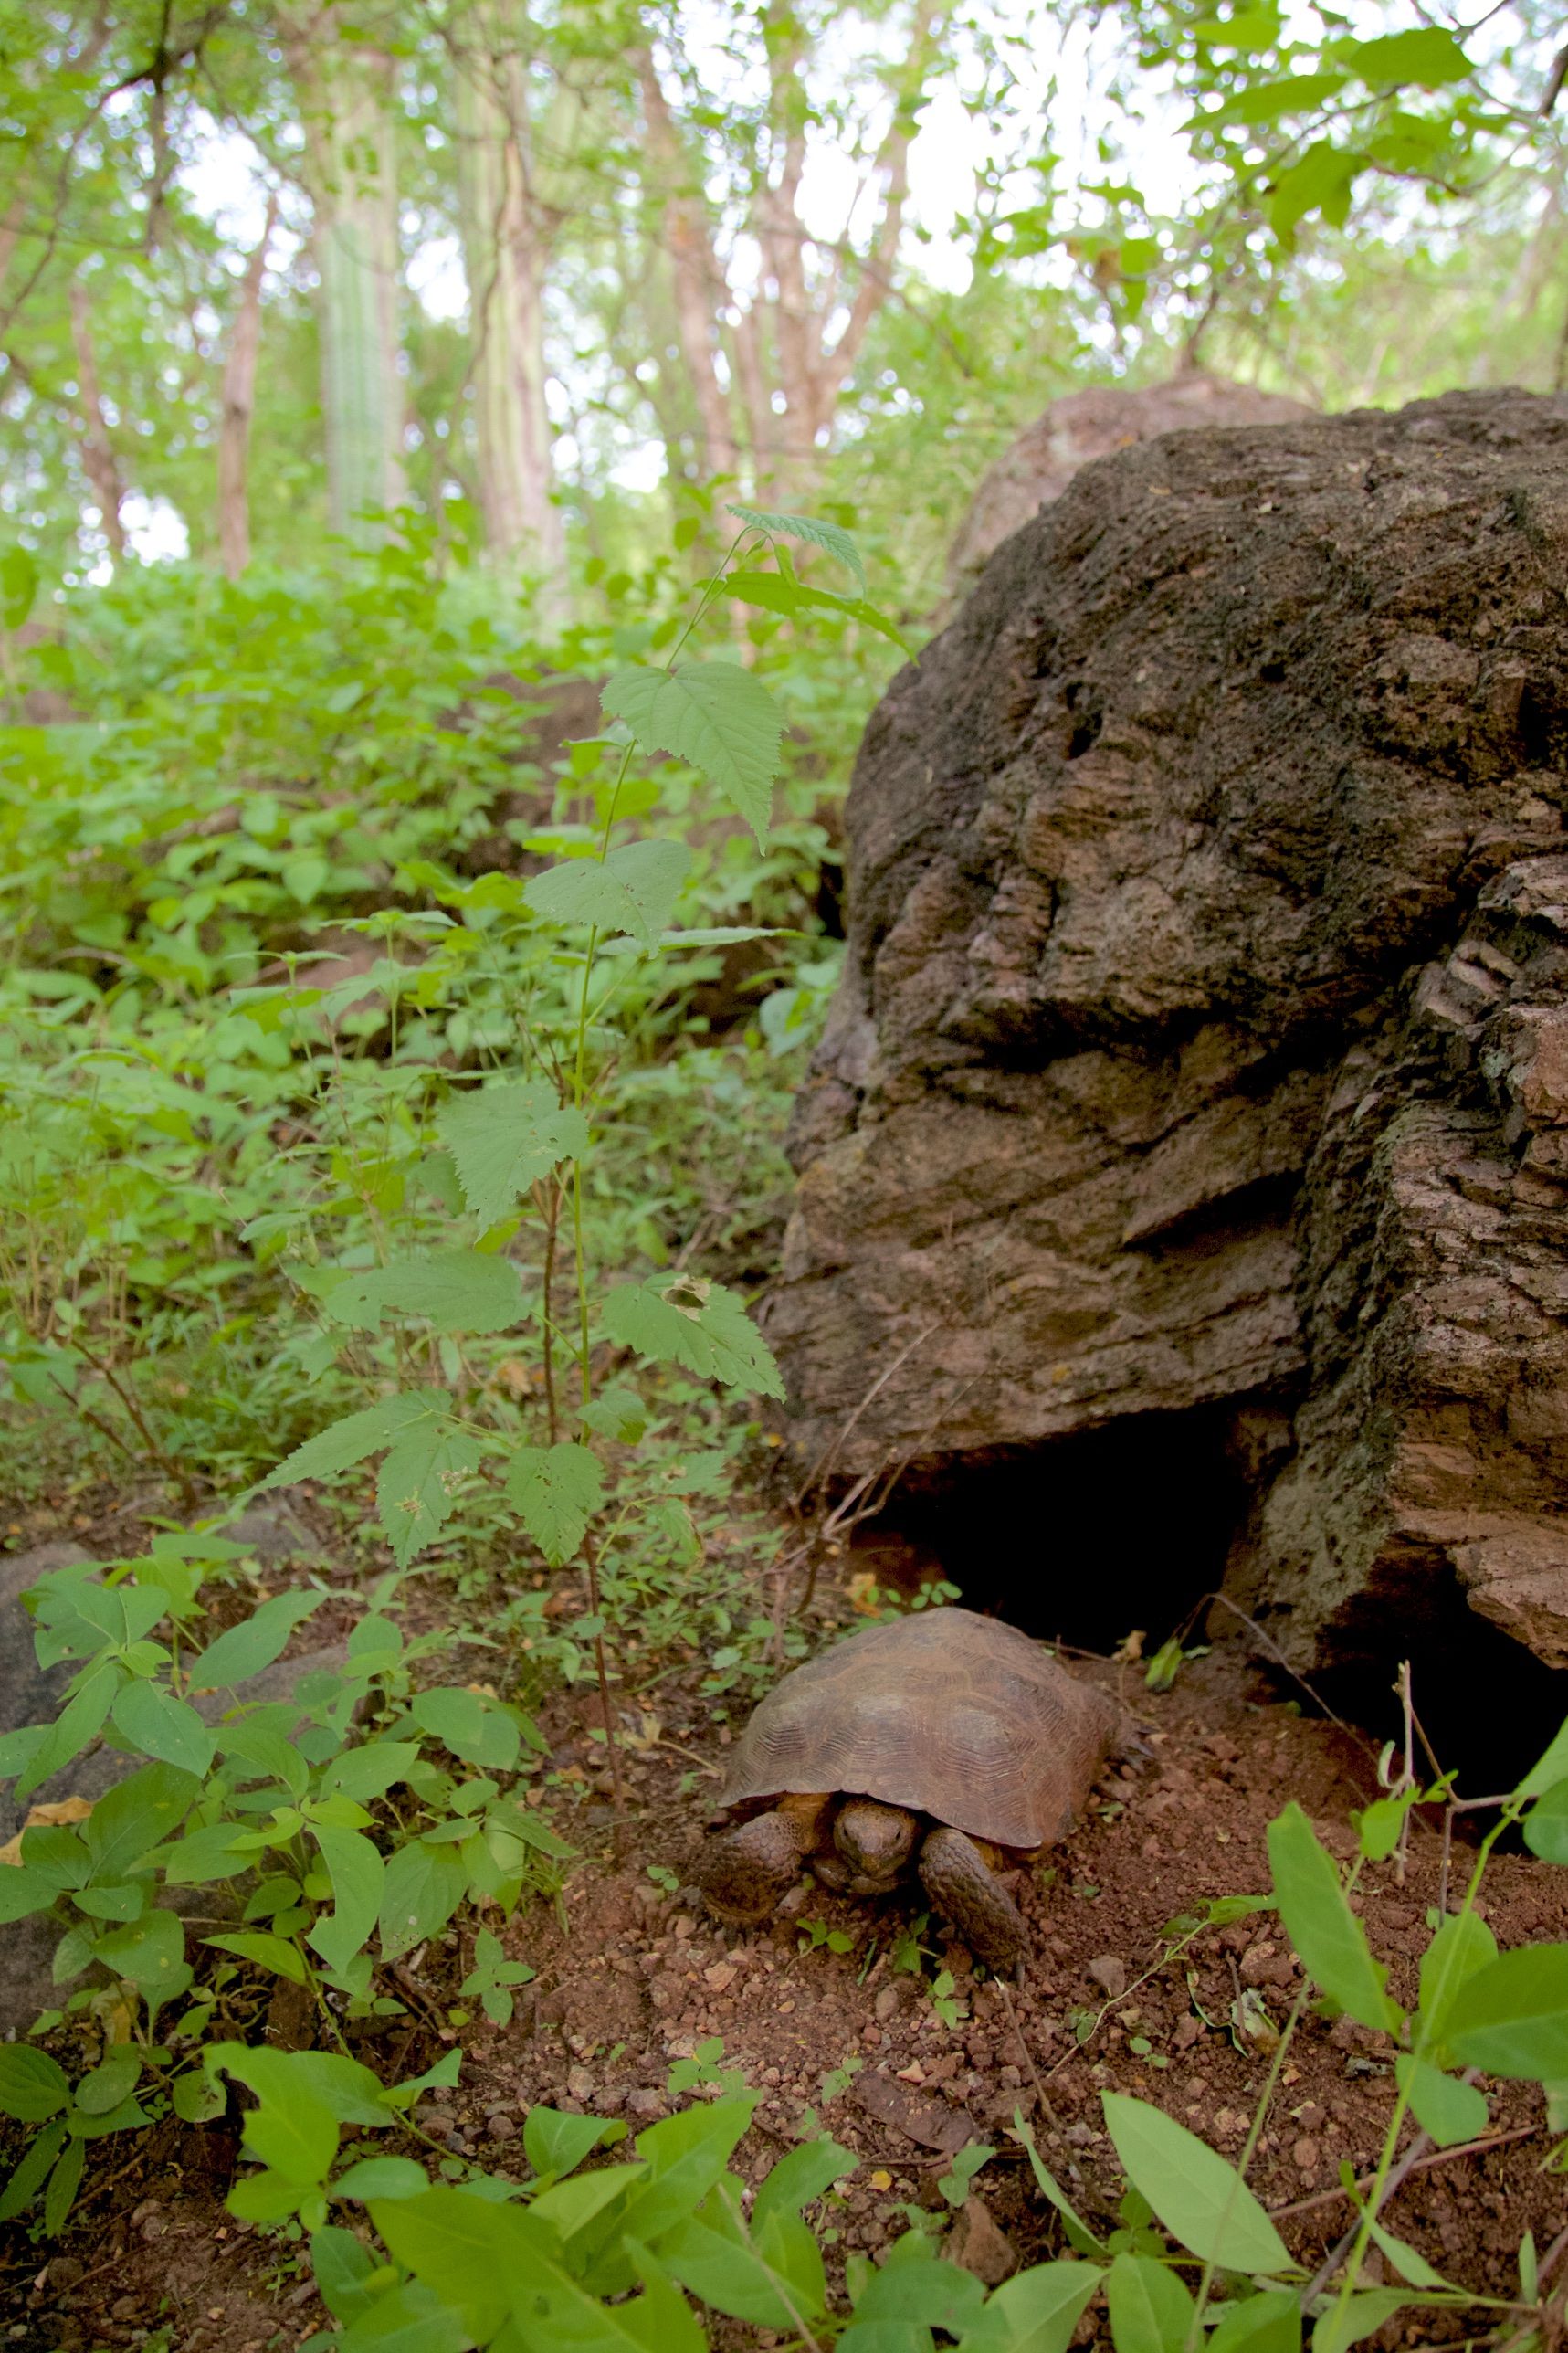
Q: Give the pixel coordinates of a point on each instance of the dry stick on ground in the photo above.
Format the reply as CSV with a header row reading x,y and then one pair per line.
x,y
836,1445
1422,2164
1418,2148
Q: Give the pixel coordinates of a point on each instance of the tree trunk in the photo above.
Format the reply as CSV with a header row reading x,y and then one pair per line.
x,y
698,282
504,250
345,91
238,406
98,461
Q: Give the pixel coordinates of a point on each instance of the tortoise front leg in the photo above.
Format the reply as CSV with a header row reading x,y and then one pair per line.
x,y
740,1873
966,1890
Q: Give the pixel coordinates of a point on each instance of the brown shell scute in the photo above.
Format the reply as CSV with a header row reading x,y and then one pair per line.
x,y
950,1714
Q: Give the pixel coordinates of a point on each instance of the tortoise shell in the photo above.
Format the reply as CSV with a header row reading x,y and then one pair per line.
x,y
944,1712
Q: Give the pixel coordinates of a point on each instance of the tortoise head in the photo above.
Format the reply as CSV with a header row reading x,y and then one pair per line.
x,y
876,1842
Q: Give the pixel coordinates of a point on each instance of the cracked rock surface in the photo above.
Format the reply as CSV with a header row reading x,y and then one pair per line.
x,y
1203,1041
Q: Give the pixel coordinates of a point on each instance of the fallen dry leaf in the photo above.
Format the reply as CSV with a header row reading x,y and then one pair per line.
x,y
52,1816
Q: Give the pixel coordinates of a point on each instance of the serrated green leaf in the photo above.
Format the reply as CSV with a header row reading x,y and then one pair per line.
x,y
715,715
557,1490
455,1290
358,1435
633,890
831,537
698,1325
415,1489
776,593
503,1139
1201,2199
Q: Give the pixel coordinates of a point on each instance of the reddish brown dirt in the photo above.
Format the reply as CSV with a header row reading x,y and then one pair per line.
x,y
631,1979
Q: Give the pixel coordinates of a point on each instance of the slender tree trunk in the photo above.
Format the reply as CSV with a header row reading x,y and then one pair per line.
x,y
345,91
700,287
98,461
238,406
505,249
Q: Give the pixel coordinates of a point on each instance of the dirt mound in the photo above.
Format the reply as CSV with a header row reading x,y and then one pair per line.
x,y
1202,1048
1083,426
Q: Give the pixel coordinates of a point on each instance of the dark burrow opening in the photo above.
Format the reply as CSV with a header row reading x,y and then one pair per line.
x,y
1128,1527
1081,1539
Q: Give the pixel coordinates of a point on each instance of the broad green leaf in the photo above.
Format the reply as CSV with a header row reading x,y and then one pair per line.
x,y
1079,2237
254,1643
358,1435
150,1952
1151,2311
64,2183
1511,2017
735,2277
1546,1825
406,2320
575,2205
414,1487
830,536
138,1814
716,715
18,586
358,1875
22,1893
1549,1768
1461,1945
1269,2323
555,2144
348,2091
1326,1933
471,1726
81,1720
1427,56
685,2156
342,2266
505,1138
455,1290
32,2087
800,2177
370,1771
423,1887
268,1952
381,2177
106,2087
1345,2325
556,1489
154,1721
1267,101
1038,2312
204,1855
694,1324
466,2249
633,890
296,2135
926,2294
1323,180
23,2185
1201,2199
660,2321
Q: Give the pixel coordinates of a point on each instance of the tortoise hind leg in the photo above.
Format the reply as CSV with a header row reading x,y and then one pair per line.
x,y
967,1891
743,1873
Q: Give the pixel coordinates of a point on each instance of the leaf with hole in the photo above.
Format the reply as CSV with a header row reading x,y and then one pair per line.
x,y
694,1324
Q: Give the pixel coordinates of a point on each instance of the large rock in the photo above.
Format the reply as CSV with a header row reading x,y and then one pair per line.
x,y
1201,1046
1083,426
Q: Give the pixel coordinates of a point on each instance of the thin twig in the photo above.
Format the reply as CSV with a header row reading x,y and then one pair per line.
x,y
1421,2164
611,1742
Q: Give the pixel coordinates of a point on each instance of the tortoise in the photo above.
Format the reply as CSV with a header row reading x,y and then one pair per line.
x,y
946,1738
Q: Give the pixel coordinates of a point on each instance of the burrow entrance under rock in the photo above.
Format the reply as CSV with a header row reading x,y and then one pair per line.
x,y
1082,1539
1087,1539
